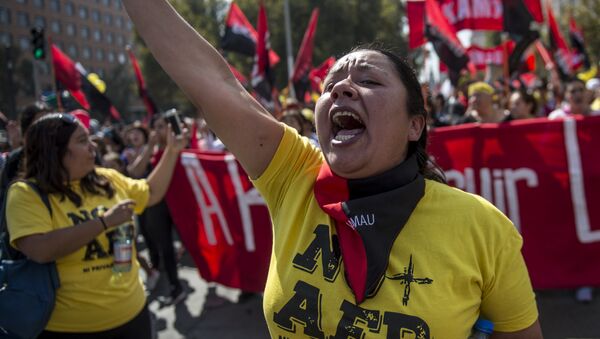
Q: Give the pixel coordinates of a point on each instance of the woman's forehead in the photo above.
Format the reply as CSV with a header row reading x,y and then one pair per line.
x,y
362,60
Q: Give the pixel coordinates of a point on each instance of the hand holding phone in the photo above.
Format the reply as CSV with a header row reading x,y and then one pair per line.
x,y
172,117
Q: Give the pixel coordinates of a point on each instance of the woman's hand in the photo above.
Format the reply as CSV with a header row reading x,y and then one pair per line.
x,y
176,143
119,213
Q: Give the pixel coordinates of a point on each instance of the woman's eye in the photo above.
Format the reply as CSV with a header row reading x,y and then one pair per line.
x,y
369,82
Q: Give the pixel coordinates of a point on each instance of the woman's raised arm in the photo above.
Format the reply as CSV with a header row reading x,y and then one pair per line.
x,y
243,125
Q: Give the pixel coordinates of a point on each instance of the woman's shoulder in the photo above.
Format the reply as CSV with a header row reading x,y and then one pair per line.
x,y
109,172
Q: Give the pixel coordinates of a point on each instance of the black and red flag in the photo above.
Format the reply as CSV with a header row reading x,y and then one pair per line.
x,y
519,16
68,76
579,56
300,75
142,91
98,101
240,36
559,47
445,42
73,77
262,75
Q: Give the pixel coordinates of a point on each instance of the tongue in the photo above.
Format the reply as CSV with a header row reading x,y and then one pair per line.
x,y
350,131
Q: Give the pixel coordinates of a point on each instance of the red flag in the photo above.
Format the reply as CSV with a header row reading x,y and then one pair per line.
x,y
304,58
317,75
240,36
535,8
559,46
303,64
443,37
262,76
148,102
415,11
67,74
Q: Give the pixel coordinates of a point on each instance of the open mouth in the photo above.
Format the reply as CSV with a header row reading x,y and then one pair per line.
x,y
346,126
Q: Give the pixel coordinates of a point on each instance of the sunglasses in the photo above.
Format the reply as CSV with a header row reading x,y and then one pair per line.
x,y
68,118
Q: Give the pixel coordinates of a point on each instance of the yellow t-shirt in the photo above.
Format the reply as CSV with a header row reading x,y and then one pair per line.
x,y
90,297
457,257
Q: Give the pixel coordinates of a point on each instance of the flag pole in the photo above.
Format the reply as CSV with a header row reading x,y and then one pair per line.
x,y
59,105
288,47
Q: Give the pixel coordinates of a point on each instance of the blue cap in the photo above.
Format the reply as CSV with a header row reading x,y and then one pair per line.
x,y
484,325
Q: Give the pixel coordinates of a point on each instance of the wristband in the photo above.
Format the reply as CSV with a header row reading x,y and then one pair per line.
x,y
103,223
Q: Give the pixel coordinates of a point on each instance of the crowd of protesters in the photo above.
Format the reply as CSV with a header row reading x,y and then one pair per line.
x,y
134,149
498,102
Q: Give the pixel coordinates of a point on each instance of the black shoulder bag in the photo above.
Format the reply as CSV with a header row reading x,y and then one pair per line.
x,y
27,288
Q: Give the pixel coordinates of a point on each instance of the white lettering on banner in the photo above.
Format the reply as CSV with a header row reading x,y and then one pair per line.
x,y
484,57
245,200
448,10
464,9
198,181
481,9
582,221
502,190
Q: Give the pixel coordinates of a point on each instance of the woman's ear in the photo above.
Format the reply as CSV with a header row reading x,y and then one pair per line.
x,y
417,123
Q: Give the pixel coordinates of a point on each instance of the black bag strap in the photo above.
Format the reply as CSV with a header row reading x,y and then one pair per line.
x,y
5,249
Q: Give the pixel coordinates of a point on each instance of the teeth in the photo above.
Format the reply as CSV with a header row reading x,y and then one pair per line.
x,y
338,115
340,137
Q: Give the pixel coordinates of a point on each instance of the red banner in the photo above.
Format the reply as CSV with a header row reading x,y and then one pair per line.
x,y
222,220
545,176
481,56
480,14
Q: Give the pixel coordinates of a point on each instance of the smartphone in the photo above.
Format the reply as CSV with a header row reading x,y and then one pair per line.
x,y
172,117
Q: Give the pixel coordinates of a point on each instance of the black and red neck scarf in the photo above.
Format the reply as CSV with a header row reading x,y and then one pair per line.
x,y
369,215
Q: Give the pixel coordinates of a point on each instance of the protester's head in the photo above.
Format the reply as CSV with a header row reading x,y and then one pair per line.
x,y
159,125
136,135
522,105
58,151
114,161
112,139
371,115
293,119
308,121
575,96
593,85
481,98
31,113
438,103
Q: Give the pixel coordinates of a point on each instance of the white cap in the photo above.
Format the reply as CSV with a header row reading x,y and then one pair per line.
x,y
593,84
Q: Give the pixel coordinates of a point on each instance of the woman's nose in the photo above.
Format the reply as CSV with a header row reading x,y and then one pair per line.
x,y
343,89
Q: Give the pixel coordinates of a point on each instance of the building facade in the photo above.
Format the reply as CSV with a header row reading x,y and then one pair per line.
x,y
92,32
